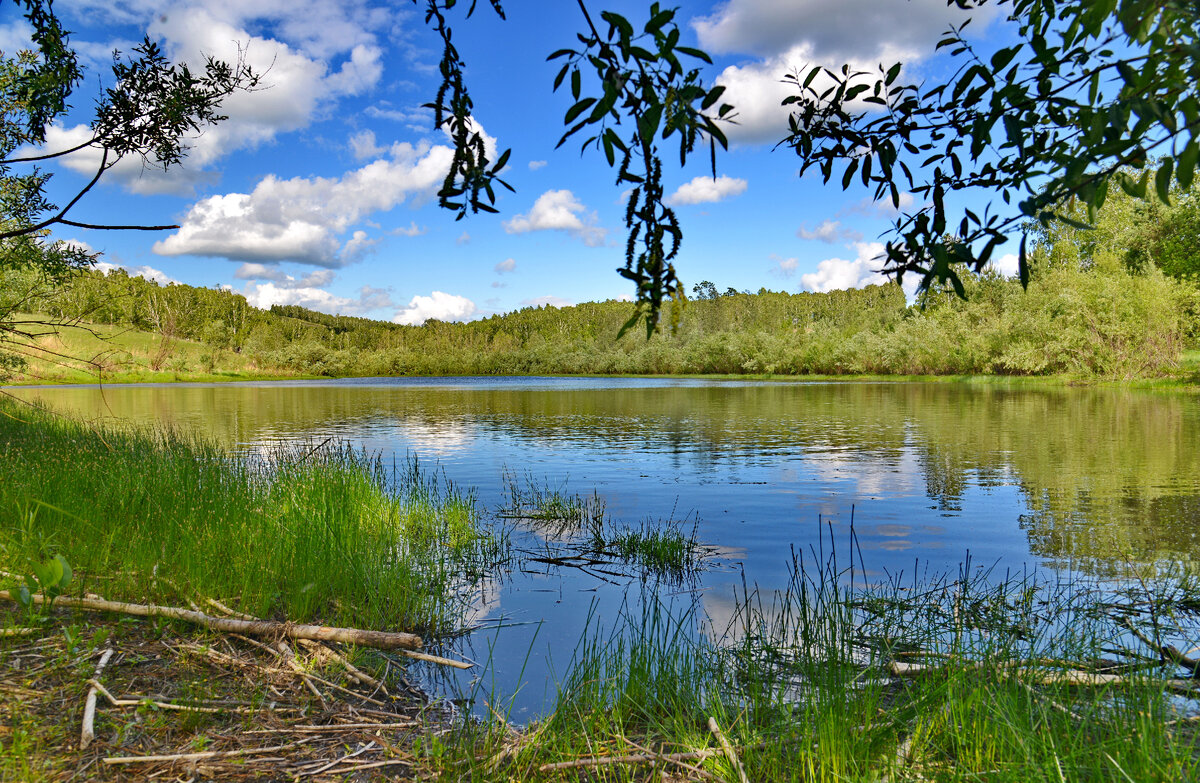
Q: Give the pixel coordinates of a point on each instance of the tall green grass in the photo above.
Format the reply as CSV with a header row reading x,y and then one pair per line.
x,y
799,681
305,533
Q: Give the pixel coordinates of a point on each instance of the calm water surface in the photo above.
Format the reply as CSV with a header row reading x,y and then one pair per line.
x,y
1054,478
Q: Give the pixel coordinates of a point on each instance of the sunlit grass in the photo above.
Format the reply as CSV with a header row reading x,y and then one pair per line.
x,y
90,353
303,533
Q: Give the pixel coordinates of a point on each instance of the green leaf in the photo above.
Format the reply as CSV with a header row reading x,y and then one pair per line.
x,y
648,122
1185,168
577,109
849,175
659,21
1002,58
67,573
697,53
576,84
45,573
1162,180
712,97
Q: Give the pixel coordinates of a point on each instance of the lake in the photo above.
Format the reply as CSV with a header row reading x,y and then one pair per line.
x,y
1079,480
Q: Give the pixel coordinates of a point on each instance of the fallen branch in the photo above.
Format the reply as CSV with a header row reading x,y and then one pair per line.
x,y
1043,677
114,701
363,678
88,732
419,656
1168,652
689,767
637,758
290,657
208,754
728,749
336,727
384,640
6,632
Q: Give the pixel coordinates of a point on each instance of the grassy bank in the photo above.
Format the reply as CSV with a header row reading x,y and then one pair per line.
x,y
84,352
301,534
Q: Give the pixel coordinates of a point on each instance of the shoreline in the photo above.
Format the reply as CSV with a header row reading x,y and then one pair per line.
x,y
1189,384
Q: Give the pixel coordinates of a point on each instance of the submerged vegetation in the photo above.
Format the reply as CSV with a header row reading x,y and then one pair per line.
x,y
968,677
577,532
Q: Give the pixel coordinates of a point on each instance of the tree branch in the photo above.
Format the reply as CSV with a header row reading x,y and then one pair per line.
x,y
50,155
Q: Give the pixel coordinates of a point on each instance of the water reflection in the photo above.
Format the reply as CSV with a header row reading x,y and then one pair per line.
x,y
1095,468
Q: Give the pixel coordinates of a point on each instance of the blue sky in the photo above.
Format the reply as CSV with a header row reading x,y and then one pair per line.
x,y
319,189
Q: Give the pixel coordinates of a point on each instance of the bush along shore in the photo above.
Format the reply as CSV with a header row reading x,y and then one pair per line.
x,y
969,676
1103,322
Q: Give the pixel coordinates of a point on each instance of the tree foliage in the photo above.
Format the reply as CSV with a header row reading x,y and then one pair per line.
x,y
1099,320
643,79
148,111
1089,91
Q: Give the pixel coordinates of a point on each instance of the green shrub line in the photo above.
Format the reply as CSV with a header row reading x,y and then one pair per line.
x,y
1100,323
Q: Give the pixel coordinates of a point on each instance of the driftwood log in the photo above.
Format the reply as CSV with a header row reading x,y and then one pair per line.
x,y
382,640
1045,677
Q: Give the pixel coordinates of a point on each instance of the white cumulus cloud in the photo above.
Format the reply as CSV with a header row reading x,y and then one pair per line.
x,y
837,273
854,29
784,267
363,146
264,295
507,265
438,305
308,53
559,210
705,190
794,36
547,301
302,219
1007,264
147,272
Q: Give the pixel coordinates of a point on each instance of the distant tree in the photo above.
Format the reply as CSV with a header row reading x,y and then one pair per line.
x,y
1090,94
1140,233
704,290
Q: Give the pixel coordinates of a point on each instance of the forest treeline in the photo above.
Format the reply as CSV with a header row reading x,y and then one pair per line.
x,y
1101,319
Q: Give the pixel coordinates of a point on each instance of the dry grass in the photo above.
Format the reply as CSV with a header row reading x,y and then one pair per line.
x,y
259,715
